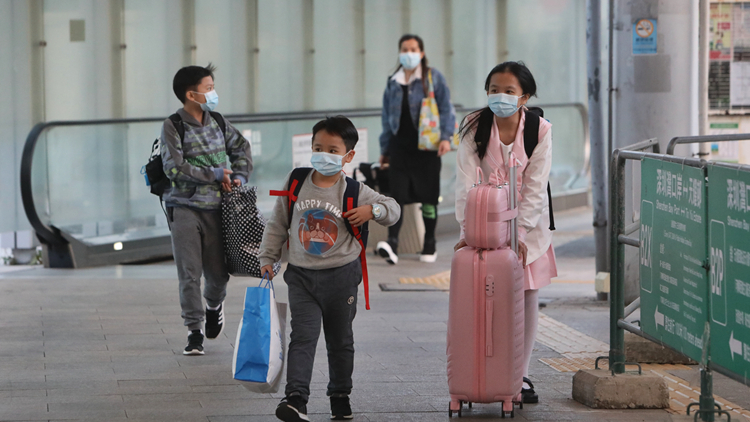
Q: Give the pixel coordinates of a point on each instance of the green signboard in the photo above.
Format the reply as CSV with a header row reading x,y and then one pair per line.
x,y
729,246
674,279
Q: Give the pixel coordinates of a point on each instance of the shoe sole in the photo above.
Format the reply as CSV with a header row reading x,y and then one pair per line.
x,y
193,352
341,418
428,258
385,251
289,414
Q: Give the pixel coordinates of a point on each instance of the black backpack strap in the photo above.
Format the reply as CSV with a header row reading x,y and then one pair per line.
x,y
551,214
351,198
220,120
530,132
296,179
530,141
177,122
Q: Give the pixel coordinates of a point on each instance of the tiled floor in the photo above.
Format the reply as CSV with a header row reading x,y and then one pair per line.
x,y
105,345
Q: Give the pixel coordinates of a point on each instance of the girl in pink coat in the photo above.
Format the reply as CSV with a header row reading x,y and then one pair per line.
x,y
488,136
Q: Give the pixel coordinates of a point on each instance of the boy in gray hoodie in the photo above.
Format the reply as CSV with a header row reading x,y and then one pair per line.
x,y
195,145
324,269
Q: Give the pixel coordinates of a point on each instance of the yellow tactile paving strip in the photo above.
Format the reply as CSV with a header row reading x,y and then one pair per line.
x,y
439,280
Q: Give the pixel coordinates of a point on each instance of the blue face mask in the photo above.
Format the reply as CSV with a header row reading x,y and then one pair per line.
x,y
327,164
409,61
503,105
212,100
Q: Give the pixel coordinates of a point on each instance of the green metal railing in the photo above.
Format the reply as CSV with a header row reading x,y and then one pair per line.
x,y
707,408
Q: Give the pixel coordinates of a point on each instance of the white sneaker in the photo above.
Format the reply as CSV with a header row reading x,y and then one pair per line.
x,y
428,258
385,250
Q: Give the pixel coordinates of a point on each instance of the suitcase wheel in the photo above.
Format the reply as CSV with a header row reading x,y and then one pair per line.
x,y
508,410
455,406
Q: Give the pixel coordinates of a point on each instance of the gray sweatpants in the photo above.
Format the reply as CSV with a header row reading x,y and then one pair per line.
x,y
328,296
198,250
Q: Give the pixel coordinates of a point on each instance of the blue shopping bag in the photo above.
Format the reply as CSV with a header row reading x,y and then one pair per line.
x,y
259,348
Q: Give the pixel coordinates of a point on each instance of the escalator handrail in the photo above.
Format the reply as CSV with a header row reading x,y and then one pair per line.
x,y
51,235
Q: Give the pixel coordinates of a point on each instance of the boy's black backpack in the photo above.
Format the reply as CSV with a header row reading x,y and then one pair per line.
x,y
351,197
154,169
530,140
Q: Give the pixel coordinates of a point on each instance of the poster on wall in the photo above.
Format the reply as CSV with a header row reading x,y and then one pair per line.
x,y
739,84
644,36
724,151
720,44
741,32
302,151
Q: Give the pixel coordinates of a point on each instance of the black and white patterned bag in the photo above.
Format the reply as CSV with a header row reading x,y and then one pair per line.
x,y
243,226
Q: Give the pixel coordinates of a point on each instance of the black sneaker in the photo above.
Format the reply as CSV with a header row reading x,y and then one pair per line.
x,y
195,343
214,322
429,252
389,251
340,408
528,395
292,409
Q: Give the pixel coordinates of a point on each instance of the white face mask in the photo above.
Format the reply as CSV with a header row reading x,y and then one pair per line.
x,y
212,100
409,61
503,105
327,164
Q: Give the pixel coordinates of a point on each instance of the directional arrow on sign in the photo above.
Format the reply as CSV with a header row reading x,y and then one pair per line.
x,y
735,346
659,318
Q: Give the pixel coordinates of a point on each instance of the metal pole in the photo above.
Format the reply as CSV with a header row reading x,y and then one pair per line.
x,y
596,132
617,267
703,36
611,80
706,399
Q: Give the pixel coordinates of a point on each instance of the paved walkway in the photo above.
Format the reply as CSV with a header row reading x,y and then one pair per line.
x,y
105,345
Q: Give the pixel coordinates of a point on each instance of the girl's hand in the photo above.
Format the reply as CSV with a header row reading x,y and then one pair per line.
x,y
267,269
360,215
444,148
522,252
461,243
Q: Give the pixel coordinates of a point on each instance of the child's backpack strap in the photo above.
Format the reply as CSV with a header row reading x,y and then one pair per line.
x,y
530,141
220,120
296,179
351,197
177,122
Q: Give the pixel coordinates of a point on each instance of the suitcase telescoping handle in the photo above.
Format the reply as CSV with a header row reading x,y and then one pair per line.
x,y
513,164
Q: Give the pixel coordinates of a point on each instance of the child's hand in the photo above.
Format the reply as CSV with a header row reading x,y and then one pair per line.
x,y
226,182
267,269
360,215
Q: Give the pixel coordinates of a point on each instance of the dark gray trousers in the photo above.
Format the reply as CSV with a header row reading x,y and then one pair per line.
x,y
198,248
328,296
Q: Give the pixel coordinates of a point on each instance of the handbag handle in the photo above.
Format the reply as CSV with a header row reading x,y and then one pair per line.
x,y
480,175
269,283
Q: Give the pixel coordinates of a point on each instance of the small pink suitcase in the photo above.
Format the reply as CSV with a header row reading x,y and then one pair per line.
x,y
488,215
486,323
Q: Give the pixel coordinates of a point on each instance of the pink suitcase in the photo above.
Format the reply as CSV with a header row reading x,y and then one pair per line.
x,y
486,323
488,215
485,328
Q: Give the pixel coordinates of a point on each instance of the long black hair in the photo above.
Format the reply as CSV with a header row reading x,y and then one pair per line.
x,y
482,119
407,37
